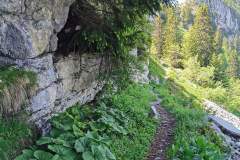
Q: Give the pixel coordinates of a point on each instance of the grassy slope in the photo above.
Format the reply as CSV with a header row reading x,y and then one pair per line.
x,y
194,139
14,132
229,96
135,100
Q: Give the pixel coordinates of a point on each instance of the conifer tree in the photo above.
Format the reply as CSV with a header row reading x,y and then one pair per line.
x,y
186,14
218,60
233,64
218,41
158,35
198,40
236,43
171,49
170,34
219,63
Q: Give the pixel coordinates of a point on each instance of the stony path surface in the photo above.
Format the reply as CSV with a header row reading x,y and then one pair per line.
x,y
164,134
224,123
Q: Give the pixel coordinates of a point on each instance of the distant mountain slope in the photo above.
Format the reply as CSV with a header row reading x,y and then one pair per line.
x,y
235,4
226,15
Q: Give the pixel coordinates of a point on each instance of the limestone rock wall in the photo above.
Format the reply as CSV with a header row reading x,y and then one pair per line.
x,y
28,39
141,75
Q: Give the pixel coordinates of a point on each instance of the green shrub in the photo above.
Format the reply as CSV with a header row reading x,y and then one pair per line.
x,y
80,133
203,76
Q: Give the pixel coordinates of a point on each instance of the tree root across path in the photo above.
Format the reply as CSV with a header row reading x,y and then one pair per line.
x,y
164,135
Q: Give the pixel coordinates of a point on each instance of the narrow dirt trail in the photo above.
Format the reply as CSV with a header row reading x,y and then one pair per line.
x,y
164,135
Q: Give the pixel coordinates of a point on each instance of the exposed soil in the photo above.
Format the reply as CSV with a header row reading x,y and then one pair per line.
x,y
164,135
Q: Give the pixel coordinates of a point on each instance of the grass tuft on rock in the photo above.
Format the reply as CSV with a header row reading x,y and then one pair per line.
x,y
11,75
15,132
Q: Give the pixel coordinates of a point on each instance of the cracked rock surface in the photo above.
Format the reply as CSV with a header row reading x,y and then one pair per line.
x,y
28,39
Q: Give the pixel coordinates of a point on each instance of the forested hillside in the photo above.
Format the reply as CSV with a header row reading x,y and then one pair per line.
x,y
199,54
235,4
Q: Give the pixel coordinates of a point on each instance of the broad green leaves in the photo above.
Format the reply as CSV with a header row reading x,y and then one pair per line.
x,y
80,145
42,155
93,146
80,133
44,140
88,156
26,154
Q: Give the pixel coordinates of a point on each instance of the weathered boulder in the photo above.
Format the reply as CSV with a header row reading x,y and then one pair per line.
x,y
140,74
219,111
154,109
229,141
227,127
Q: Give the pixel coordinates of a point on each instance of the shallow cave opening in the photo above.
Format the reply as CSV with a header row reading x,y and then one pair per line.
x,y
82,18
65,36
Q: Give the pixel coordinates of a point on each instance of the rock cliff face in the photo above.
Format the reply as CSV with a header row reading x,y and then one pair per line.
x,y
225,16
28,39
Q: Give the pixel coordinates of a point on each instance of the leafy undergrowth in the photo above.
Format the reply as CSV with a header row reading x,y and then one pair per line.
x,y
194,139
14,136
134,102
117,127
